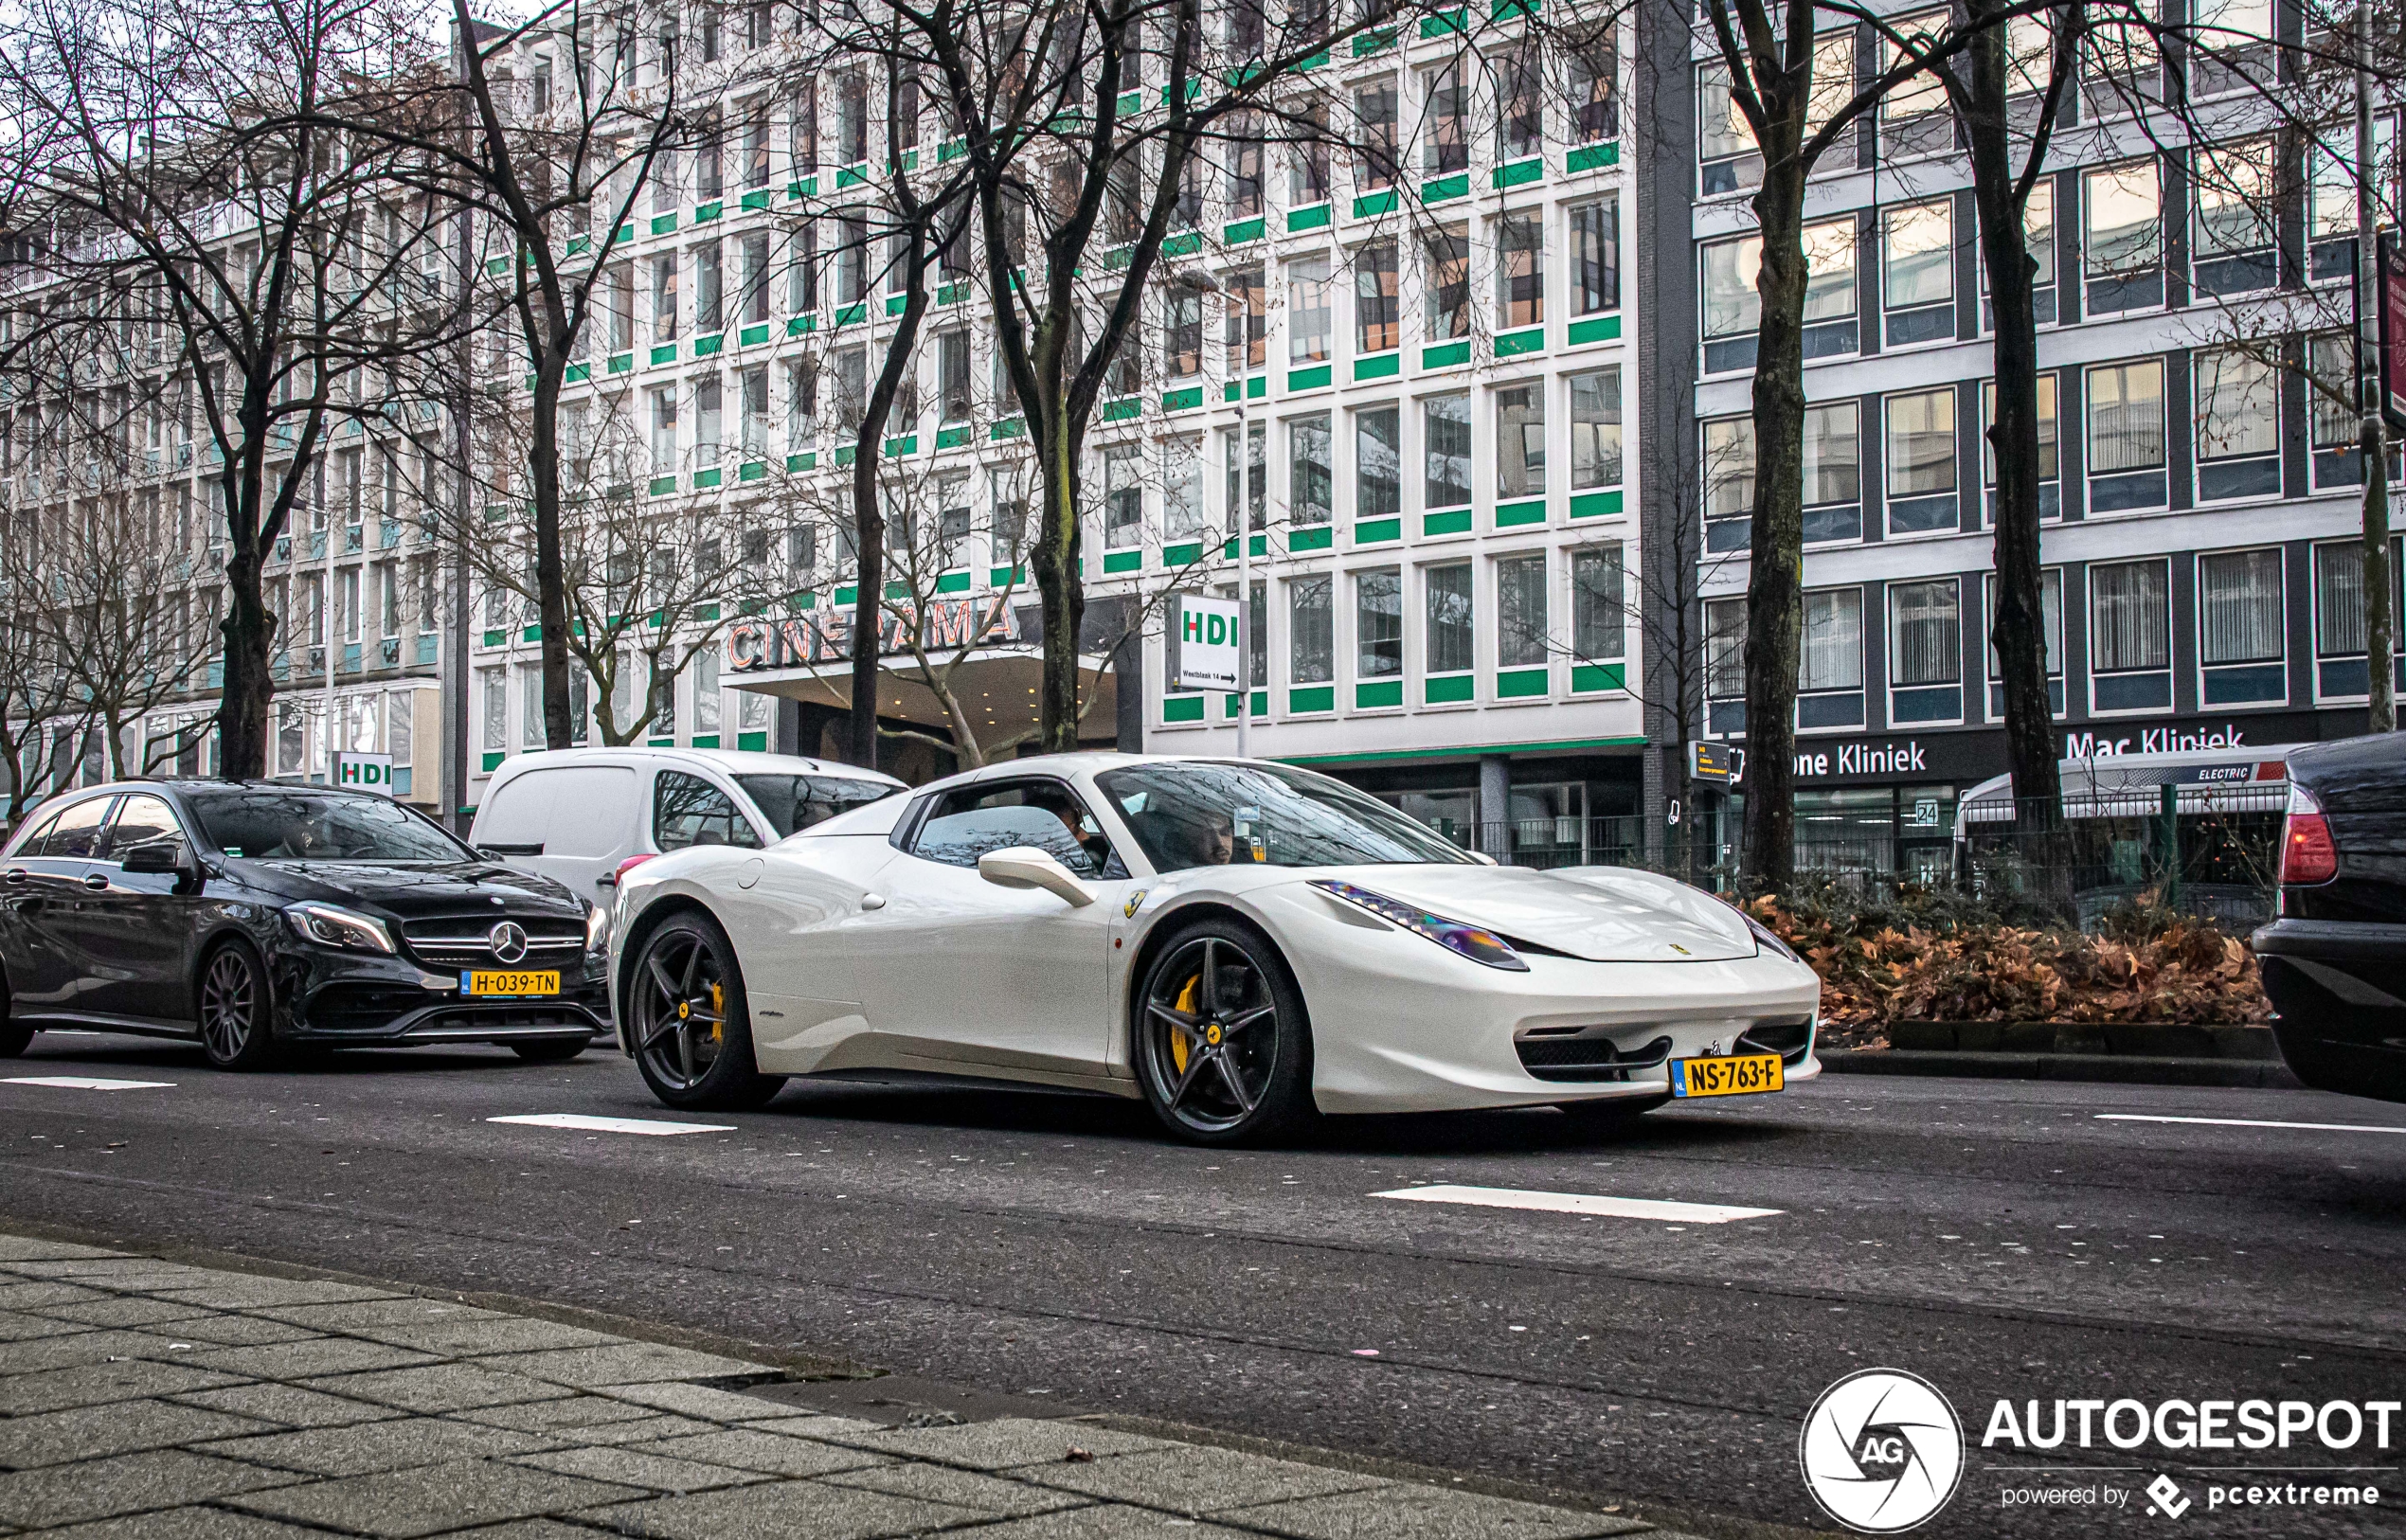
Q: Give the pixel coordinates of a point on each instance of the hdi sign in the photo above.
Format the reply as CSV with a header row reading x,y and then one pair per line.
x,y
364,772
1203,637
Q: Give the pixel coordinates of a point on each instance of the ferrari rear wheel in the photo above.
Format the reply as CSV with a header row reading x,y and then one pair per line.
x,y
692,1031
1223,1048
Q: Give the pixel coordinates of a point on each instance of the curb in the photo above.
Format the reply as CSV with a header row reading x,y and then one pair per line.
x,y
2105,1069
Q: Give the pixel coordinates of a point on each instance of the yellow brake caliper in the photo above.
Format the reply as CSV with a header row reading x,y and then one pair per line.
x,y
1186,1006
718,1009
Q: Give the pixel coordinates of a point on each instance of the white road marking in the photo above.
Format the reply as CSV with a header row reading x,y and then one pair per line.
x,y
610,1125
1579,1203
2248,1123
85,1083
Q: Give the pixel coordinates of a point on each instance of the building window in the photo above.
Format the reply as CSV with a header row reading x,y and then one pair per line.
x,y
1182,339
1448,638
1311,633
492,685
1921,462
1520,270
2131,636
1914,118
664,300
1599,616
1725,666
1378,466
1729,484
1830,297
1521,641
2240,628
2239,425
1377,316
1591,77
1448,253
1255,473
2330,199
2331,420
1829,667
1183,515
2050,628
663,430
2126,437
1378,624
1732,308
1596,256
1308,318
2124,236
1595,429
1520,441
2235,232
1444,431
1309,480
2342,667
1925,652
1833,472
1727,160
1520,90
2050,478
710,290
1377,158
1443,143
1918,272
1123,495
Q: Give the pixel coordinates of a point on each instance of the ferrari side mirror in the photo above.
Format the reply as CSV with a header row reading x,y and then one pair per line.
x,y
1024,866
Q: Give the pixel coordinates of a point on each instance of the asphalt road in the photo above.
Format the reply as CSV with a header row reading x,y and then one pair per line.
x,y
1999,1239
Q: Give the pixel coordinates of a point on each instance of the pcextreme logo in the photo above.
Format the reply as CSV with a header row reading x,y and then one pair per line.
x,y
1881,1451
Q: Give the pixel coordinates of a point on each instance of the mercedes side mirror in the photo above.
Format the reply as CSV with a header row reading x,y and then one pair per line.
x,y
1024,866
159,858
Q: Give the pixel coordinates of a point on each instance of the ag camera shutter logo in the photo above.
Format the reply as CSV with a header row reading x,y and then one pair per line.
x,y
1882,1451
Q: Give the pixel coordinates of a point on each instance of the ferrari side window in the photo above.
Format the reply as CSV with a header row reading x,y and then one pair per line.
x,y
686,810
1045,814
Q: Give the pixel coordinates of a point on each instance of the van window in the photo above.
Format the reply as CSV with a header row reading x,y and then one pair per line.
x,y
793,803
686,810
570,810
513,813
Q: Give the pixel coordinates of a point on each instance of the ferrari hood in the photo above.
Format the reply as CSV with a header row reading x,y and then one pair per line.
x,y
1602,914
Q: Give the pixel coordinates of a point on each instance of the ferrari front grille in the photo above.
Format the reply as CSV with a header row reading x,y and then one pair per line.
x,y
1550,1054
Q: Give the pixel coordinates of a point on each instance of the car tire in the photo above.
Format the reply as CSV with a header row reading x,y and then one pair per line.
x,y
237,1010
1228,1061
15,1036
684,977
547,1053
1600,1116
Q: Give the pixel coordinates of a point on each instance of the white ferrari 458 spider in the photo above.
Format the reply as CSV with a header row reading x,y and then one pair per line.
x,y
1240,943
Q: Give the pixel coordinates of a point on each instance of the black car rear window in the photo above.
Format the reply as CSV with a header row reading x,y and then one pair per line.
x,y
301,823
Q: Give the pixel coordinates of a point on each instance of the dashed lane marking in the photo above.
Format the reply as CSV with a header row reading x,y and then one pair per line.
x,y
1579,1203
86,1082
2247,1122
610,1125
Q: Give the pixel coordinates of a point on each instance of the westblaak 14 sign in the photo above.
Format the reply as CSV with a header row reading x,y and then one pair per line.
x,y
818,637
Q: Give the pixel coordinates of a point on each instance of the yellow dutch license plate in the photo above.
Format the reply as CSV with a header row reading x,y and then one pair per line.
x,y
1744,1074
510,981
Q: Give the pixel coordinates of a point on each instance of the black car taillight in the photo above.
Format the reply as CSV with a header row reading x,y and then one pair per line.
x,y
2308,854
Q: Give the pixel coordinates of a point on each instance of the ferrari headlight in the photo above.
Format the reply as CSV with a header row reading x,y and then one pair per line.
x,y
347,928
1770,939
597,927
1466,940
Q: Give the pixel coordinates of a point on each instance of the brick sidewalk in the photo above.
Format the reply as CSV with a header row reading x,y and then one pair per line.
x,y
146,1400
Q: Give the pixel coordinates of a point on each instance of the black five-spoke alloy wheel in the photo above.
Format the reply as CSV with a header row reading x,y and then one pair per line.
x,y
1222,1046
235,1007
693,1033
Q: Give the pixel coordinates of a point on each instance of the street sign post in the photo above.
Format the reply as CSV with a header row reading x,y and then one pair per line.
x,y
365,773
1204,650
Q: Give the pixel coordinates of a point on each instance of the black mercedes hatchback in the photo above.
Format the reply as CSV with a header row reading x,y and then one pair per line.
x,y
258,916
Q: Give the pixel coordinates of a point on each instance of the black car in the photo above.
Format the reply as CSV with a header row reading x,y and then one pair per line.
x,y
2335,961
258,916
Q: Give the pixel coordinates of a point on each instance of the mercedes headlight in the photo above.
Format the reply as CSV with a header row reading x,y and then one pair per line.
x,y
1483,947
597,927
347,929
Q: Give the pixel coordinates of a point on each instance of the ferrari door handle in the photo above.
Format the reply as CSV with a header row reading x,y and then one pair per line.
x,y
873,900
95,882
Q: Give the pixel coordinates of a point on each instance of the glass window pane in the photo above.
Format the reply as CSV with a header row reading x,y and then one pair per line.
x,y
1833,453
1927,621
2236,208
1448,637
1595,429
1725,648
1832,657
1596,256
1311,633
2126,224
1520,441
2130,616
2338,599
1445,436
2238,405
1919,262
1597,614
1520,611
1378,486
2239,606
1921,444
1520,270
2126,417
1378,624
1310,478
1732,307
1829,263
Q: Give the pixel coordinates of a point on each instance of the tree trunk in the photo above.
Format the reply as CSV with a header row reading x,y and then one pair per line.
x,y
1775,575
2018,629
550,576
1058,584
249,688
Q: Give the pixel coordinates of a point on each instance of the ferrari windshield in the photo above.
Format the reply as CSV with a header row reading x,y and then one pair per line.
x,y
302,823
1200,813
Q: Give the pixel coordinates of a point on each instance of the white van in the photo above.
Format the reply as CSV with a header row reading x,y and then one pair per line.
x,y
579,815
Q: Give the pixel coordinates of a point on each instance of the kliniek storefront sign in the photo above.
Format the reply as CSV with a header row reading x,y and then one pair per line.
x,y
1976,754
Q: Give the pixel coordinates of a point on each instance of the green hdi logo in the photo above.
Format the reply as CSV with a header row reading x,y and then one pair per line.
x,y
1210,629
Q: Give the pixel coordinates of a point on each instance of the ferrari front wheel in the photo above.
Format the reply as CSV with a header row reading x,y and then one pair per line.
x,y
1223,1048
692,1031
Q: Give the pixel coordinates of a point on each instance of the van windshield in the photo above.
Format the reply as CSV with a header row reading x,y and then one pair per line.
x,y
793,803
